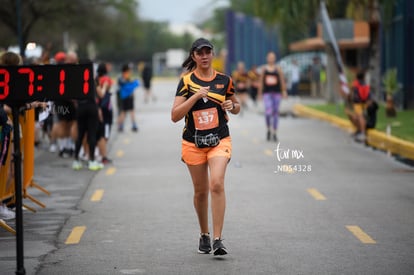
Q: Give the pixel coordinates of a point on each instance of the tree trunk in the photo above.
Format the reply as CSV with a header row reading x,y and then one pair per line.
x,y
374,49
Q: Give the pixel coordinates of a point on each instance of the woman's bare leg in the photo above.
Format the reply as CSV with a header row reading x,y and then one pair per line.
x,y
199,175
217,167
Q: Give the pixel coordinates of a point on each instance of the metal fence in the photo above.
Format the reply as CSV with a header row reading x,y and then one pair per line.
x,y
248,40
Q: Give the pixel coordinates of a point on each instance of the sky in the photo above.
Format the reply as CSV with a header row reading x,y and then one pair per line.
x,y
178,11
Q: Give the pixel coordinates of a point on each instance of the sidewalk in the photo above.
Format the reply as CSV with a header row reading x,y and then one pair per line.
x,y
144,220
375,138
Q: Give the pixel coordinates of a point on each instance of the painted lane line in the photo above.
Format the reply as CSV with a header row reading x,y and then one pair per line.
x,y
316,194
76,235
110,171
127,141
120,153
97,195
360,234
268,152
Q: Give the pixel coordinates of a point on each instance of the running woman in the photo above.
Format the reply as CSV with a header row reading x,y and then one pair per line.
x,y
241,81
204,97
272,88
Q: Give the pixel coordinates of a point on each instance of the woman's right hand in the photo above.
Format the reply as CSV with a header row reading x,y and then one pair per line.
x,y
203,91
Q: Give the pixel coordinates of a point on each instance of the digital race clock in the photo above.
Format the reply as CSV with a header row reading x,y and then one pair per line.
x,y
46,82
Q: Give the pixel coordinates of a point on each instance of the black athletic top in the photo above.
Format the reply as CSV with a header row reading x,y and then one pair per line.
x,y
206,116
271,82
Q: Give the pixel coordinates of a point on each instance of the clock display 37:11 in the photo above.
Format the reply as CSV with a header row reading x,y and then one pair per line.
x,y
35,74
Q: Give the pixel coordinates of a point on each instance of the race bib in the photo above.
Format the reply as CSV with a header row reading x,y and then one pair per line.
x,y
271,80
206,119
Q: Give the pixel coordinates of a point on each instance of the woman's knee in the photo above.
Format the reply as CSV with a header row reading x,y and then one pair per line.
x,y
217,185
201,195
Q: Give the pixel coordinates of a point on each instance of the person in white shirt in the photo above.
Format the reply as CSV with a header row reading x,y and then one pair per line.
x,y
294,78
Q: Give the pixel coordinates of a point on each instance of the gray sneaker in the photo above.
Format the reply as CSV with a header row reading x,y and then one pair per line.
x,y
204,246
219,248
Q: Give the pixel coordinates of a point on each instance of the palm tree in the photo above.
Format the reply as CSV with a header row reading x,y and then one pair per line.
x,y
391,86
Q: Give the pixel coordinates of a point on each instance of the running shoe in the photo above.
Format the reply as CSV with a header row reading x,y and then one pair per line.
x,y
53,148
94,165
360,137
106,160
219,248
204,246
76,165
6,213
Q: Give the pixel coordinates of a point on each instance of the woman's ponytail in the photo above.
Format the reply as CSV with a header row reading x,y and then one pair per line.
x,y
189,64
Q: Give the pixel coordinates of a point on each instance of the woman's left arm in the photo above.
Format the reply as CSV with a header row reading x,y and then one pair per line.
x,y
231,104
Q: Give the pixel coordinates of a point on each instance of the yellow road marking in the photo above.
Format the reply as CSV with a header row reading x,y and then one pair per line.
x,y
360,234
97,195
119,153
316,194
269,152
75,235
110,171
127,141
255,141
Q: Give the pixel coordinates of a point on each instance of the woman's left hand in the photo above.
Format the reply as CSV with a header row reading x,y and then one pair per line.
x,y
227,105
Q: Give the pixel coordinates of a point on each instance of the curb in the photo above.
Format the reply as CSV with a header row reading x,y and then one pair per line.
x,y
375,138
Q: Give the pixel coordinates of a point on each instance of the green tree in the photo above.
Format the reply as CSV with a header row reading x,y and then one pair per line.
x,y
296,16
297,19
64,15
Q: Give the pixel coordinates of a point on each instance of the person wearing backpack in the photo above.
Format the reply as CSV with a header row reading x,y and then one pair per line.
x,y
360,97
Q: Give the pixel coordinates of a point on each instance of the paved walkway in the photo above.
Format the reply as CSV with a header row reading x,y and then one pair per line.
x,y
316,203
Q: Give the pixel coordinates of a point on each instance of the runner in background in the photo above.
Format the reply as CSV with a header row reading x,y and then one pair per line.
x,y
241,83
272,89
254,79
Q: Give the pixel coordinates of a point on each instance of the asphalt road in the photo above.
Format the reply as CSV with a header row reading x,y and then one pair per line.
x,y
315,203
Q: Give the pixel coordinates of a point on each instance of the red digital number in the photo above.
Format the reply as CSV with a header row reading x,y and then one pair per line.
x,y
4,83
86,75
61,80
31,74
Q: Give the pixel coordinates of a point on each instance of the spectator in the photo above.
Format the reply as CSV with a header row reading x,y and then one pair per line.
x,y
360,97
294,78
87,125
127,88
62,133
315,77
103,87
146,79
